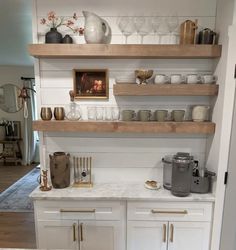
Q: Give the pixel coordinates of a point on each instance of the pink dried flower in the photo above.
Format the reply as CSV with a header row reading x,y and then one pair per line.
x,y
70,23
51,15
81,31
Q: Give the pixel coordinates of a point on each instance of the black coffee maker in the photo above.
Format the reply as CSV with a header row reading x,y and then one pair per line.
x,y
182,170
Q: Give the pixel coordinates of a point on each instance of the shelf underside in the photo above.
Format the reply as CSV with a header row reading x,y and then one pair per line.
x,y
131,89
123,51
125,127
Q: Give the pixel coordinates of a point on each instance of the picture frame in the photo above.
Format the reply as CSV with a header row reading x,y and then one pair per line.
x,y
14,134
91,84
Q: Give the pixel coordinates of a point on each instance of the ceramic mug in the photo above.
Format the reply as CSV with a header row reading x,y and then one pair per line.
x,y
200,113
176,79
192,78
59,113
144,115
128,115
178,115
161,79
208,79
160,115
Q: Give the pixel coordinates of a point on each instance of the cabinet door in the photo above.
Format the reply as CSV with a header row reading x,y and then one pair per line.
x,y
143,235
58,234
189,235
101,235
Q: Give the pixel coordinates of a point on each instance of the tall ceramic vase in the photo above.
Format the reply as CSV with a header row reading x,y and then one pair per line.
x,y
60,169
53,36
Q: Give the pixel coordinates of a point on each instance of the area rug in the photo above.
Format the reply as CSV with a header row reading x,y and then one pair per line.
x,y
16,197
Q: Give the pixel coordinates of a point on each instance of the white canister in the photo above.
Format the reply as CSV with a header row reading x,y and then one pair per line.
x,y
200,113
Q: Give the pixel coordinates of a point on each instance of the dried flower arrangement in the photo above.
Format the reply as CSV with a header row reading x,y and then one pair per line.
x,y
53,21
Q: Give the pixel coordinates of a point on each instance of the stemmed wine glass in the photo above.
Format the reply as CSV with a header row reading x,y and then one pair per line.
x,y
172,24
142,26
126,26
156,22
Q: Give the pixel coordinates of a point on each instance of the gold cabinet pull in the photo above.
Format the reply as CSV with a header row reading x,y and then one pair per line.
x,y
171,232
154,211
74,232
164,232
81,232
78,210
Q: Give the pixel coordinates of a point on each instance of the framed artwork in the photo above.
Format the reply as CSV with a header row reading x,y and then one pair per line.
x,y
13,133
91,83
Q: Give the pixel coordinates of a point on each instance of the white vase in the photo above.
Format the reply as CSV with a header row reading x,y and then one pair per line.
x,y
96,29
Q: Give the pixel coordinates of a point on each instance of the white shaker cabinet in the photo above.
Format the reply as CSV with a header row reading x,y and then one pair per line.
x,y
61,234
189,235
168,225
151,235
100,235
82,225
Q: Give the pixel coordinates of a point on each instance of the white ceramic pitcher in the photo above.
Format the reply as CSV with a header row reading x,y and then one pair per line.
x,y
96,29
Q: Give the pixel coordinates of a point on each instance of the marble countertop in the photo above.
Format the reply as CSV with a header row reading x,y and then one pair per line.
x,y
116,191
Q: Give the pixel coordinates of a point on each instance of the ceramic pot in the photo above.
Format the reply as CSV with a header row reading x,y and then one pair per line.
x,y
67,39
53,36
96,29
60,169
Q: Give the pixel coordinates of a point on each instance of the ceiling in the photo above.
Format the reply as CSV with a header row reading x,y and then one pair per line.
x,y
16,32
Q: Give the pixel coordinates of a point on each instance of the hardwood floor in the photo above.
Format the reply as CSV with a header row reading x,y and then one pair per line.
x,y
17,230
11,173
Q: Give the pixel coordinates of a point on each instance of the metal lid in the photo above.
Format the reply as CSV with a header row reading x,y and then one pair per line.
x,y
182,157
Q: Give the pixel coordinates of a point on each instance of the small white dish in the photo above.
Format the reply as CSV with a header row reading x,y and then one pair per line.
x,y
153,185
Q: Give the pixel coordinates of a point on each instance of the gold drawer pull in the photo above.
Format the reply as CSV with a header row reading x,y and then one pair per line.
x,y
164,232
78,210
74,232
154,211
171,233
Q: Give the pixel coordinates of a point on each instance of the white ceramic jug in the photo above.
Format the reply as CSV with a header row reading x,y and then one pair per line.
x,y
96,29
200,113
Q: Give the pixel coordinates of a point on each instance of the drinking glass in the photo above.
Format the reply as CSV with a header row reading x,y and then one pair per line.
x,y
155,23
142,26
172,24
115,113
108,113
126,26
91,113
99,113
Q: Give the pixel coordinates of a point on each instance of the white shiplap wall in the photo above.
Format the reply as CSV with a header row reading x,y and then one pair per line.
x,y
124,157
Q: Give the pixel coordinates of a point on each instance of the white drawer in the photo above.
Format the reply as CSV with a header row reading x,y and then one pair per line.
x,y
170,211
79,210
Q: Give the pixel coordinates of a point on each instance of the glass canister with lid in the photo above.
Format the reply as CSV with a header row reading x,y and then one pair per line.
x,y
167,171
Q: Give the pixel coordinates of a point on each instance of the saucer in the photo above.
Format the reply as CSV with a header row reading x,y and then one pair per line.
x,y
153,185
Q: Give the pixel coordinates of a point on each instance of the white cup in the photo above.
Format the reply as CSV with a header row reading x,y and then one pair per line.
x,y
161,79
192,78
208,79
200,113
176,79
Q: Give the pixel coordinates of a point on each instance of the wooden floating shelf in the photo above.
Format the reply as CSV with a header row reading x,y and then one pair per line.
x,y
131,89
125,127
124,51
